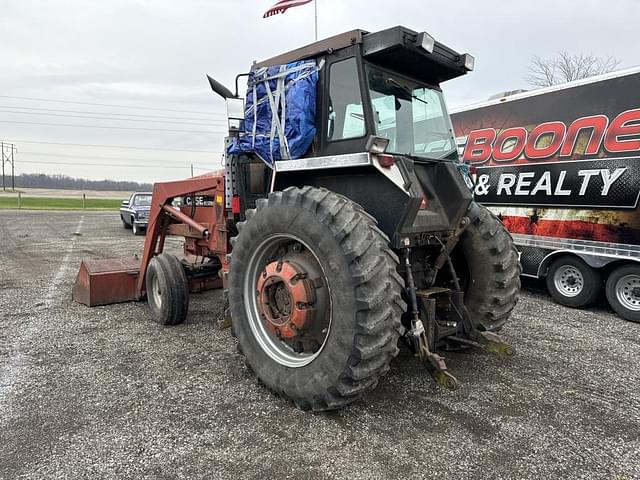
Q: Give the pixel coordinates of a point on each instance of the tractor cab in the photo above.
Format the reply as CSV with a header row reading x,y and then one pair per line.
x,y
339,112
384,84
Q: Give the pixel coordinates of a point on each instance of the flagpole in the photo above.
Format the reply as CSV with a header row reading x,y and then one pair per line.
x,y
315,4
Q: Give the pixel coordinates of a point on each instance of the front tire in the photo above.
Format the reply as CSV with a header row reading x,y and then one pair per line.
x,y
573,283
320,251
136,229
167,290
623,292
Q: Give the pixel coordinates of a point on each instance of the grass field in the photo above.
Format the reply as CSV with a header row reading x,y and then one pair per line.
x,y
48,203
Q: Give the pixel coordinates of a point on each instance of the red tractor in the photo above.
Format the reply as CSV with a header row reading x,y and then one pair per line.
x,y
342,223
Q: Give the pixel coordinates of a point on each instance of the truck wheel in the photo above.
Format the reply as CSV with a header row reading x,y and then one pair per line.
x,y
136,229
572,282
167,290
125,225
315,297
623,292
493,268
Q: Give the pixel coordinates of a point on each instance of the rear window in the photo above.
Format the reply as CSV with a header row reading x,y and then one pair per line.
x,y
346,116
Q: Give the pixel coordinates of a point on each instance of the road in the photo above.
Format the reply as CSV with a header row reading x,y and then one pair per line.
x,y
106,393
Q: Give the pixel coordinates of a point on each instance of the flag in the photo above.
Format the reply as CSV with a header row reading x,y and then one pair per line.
x,y
284,5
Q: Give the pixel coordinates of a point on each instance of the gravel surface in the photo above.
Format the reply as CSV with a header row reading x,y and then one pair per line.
x,y
106,393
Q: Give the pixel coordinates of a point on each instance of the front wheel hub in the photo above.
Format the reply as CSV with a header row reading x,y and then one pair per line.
x,y
286,299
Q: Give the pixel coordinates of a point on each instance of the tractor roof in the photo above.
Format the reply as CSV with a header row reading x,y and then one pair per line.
x,y
399,49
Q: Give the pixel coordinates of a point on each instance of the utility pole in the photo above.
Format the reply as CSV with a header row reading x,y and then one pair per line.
x,y
13,170
2,155
7,151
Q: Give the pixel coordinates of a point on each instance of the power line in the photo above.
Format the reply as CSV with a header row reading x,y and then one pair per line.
x,y
217,122
127,147
104,105
100,157
112,113
182,167
111,127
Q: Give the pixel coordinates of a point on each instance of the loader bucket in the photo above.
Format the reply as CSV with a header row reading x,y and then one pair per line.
x,y
102,282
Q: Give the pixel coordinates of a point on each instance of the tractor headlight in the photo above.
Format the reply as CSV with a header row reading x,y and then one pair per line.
x,y
427,42
469,62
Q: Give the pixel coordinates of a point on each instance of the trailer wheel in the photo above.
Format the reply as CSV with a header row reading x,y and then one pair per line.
x,y
623,292
493,269
572,282
167,290
315,297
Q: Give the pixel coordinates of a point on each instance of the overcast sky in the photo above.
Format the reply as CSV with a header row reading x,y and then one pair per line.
x,y
151,56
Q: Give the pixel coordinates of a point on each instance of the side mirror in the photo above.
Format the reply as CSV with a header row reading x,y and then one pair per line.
x,y
220,89
125,203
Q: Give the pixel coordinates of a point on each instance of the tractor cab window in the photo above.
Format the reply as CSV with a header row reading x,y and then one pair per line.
x,y
412,116
346,115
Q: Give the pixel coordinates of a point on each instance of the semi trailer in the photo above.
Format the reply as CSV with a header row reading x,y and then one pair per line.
x,y
560,167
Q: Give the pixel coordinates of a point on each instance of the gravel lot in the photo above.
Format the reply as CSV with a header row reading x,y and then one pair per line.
x,y
106,393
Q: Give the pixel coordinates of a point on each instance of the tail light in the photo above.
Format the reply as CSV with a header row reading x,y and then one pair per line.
x,y
386,161
235,204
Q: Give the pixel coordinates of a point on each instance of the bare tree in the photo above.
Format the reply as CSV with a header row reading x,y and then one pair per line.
x,y
565,68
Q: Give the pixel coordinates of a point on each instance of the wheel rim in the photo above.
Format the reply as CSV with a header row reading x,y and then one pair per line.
x,y
287,300
568,280
156,292
628,292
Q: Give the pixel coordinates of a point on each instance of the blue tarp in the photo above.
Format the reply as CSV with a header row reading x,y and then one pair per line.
x,y
289,91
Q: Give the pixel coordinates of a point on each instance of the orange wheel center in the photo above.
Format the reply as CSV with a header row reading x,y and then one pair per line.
x,y
285,299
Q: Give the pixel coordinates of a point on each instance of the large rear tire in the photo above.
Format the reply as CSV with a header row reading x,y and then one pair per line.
x,y
340,341
493,268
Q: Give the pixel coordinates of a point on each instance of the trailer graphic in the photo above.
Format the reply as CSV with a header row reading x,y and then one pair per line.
x,y
561,167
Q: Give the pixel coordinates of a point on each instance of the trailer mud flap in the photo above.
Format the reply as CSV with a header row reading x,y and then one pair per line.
x,y
102,282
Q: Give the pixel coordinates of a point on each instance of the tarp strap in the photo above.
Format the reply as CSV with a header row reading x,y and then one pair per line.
x,y
277,128
277,99
284,142
312,70
255,116
284,71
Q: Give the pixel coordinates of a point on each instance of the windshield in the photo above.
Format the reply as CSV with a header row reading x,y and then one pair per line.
x,y
412,116
142,200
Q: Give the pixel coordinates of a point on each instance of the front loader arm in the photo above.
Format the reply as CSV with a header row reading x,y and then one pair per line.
x,y
161,215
